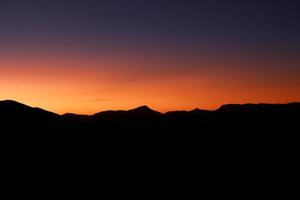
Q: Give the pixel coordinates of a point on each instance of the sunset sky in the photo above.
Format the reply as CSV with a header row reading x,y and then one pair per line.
x,y
85,56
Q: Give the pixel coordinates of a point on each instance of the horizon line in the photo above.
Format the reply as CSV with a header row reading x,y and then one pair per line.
x,y
149,107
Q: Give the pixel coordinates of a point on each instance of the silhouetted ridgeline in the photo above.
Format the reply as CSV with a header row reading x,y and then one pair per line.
x,y
234,139
236,118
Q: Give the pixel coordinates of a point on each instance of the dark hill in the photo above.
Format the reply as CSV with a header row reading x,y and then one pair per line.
x,y
19,118
231,117
12,110
259,107
238,130
135,118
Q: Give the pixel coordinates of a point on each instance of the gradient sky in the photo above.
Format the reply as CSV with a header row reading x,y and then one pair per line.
x,y
85,56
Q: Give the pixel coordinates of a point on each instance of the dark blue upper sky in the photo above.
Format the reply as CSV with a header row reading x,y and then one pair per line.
x,y
166,53
156,23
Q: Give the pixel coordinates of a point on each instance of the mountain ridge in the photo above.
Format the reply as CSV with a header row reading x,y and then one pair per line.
x,y
233,118
145,108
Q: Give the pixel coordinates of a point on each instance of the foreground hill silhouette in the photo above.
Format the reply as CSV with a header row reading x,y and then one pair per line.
x,y
15,116
236,139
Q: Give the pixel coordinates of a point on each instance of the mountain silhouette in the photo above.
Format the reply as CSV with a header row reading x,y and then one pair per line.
x,y
143,110
237,134
140,111
10,107
231,117
12,110
18,117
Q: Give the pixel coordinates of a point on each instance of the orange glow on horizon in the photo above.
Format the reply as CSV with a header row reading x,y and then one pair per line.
x,y
89,85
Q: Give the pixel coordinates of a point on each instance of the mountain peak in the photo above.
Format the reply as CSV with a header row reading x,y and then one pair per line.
x,y
12,103
8,101
143,109
199,110
10,109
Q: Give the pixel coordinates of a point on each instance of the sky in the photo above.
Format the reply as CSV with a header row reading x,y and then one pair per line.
x,y
85,56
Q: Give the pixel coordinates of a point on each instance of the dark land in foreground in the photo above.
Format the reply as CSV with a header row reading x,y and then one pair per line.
x,y
252,140
15,116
